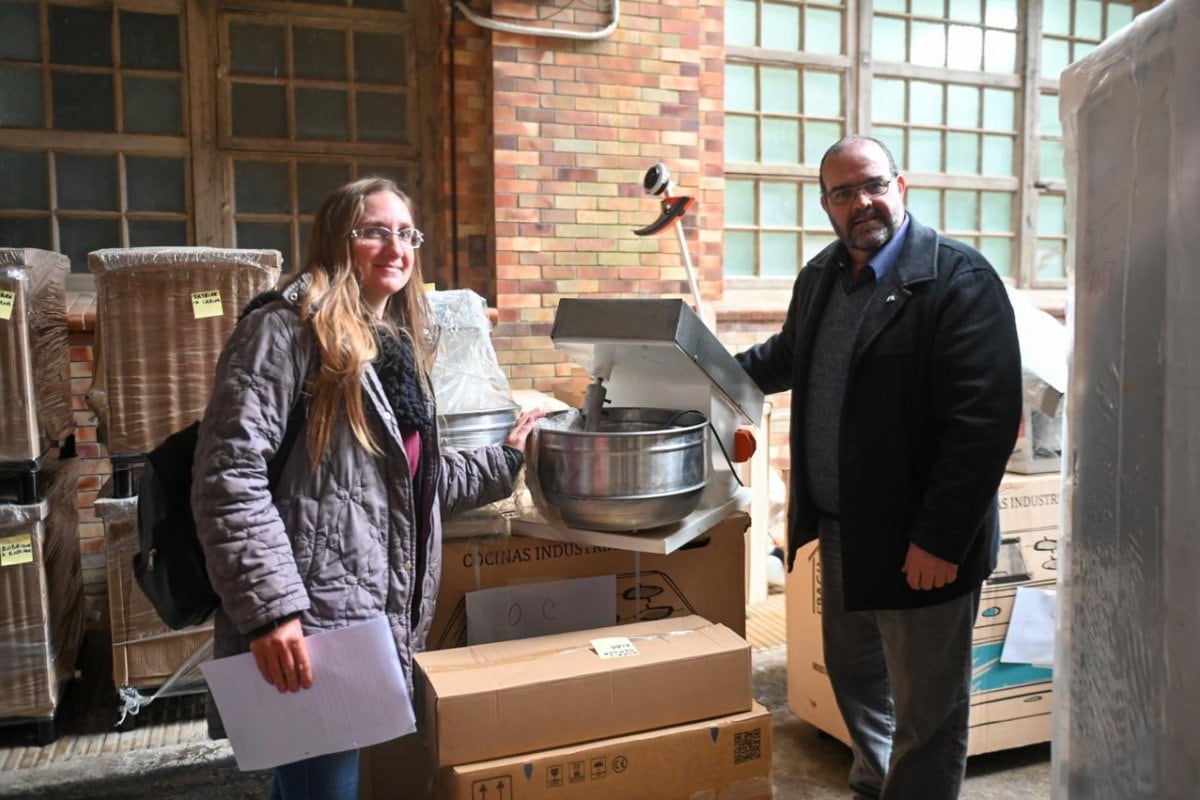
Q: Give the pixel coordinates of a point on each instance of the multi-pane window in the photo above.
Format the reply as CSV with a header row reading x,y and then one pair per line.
x,y
964,93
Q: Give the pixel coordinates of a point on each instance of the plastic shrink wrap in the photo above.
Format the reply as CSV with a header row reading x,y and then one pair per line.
x,y
35,384
1127,685
163,314
41,593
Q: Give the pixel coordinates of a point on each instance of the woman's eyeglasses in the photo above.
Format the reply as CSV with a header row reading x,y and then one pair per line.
x,y
409,236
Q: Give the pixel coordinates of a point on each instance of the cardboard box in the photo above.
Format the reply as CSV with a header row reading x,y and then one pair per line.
x,y
146,651
1010,703
704,578
725,757
506,698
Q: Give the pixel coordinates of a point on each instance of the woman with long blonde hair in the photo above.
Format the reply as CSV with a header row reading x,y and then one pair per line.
x,y
351,527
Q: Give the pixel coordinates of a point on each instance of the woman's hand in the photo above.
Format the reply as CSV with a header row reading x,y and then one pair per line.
x,y
520,432
282,657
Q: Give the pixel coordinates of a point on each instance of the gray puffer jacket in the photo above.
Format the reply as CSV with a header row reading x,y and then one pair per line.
x,y
350,540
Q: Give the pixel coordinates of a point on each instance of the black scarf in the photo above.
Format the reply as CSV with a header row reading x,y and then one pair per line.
x,y
397,370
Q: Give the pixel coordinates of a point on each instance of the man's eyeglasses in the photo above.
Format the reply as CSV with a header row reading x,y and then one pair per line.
x,y
409,236
876,187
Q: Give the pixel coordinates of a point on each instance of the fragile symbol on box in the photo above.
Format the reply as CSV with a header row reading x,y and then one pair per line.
x,y
554,776
614,647
498,787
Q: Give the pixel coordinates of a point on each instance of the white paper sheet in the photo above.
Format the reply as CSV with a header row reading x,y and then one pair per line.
x,y
541,608
1030,637
358,698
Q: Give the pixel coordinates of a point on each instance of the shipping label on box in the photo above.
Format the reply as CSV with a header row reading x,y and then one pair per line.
x,y
1010,703
725,757
501,699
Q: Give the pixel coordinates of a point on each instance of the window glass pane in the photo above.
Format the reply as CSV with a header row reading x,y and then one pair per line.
x,y
153,106
999,253
320,53
1051,151
962,153
887,100
23,176
928,44
739,254
1056,17
999,51
1055,57
1087,19
315,181
25,232
80,36
962,106
962,211
86,182
22,93
780,254
925,103
1001,13
259,111
965,49
82,236
890,5
929,8
82,102
256,49
781,27
925,205
379,58
894,139
1119,15
1048,121
965,10
741,94
19,39
818,137
822,31
1050,214
814,215
265,235
822,93
155,184
741,138
1050,258
999,108
780,140
739,203
780,90
779,205
261,187
997,155
149,41
997,212
741,18
888,37
382,117
925,150
321,114
814,244
1081,49
158,233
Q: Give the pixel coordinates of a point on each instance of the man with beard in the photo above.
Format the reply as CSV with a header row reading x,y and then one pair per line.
x,y
900,349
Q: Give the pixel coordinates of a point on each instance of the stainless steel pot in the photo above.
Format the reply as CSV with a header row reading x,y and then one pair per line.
x,y
644,468
466,430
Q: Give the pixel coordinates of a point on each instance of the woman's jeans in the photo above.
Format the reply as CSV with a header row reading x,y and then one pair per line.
x,y
330,777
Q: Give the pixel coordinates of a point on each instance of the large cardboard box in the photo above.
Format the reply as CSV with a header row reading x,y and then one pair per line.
x,y
704,578
505,698
1010,703
145,650
725,757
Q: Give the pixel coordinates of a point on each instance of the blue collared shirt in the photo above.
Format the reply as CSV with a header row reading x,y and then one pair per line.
x,y
882,261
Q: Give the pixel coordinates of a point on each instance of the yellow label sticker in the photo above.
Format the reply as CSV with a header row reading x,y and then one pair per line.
x,y
7,299
206,304
16,550
429,287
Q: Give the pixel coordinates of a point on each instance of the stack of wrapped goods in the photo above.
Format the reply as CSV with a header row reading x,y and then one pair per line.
x,y
163,315
654,710
41,588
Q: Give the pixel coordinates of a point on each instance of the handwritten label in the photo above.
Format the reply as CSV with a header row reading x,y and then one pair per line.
x,y
16,550
614,647
6,304
206,304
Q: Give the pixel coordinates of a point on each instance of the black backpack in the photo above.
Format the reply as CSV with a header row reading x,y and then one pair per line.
x,y
169,565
